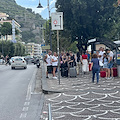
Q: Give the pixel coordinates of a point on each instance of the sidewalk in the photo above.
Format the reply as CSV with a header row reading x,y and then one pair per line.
x,y
80,99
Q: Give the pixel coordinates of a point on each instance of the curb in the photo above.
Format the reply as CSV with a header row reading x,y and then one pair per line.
x,y
45,87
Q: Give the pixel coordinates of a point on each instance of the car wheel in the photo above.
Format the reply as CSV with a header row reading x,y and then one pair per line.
x,y
25,67
12,68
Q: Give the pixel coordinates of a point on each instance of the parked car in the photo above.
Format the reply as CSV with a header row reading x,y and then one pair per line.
x,y
18,62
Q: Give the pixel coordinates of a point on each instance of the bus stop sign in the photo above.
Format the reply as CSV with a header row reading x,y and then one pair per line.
x,y
57,20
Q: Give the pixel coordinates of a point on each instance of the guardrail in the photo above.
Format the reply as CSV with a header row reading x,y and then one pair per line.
x,y
49,112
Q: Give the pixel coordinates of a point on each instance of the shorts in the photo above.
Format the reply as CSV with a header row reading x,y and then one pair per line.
x,y
49,69
110,65
54,66
105,66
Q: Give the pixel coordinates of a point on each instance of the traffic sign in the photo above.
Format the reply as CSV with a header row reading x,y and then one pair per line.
x,y
57,20
46,47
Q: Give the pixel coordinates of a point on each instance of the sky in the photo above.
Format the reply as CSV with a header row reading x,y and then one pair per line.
x,y
34,3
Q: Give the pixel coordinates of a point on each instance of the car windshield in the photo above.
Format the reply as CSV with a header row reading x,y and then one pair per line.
x,y
18,59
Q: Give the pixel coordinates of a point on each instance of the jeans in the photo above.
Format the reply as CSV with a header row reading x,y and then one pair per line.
x,y
97,74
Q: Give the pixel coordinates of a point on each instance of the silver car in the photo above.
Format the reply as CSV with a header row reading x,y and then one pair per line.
x,y
18,62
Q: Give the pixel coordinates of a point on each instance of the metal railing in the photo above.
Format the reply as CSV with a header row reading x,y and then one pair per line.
x,y
49,112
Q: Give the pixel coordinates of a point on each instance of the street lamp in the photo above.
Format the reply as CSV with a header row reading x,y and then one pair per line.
x,y
40,6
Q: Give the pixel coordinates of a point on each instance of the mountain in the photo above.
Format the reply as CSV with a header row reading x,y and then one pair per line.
x,y
30,22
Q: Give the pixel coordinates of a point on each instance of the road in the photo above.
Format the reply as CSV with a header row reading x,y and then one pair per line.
x,y
16,100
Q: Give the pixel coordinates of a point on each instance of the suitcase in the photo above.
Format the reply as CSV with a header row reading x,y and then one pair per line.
x,y
73,72
102,74
115,72
89,66
64,72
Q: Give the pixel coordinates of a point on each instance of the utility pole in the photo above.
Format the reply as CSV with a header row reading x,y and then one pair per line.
x,y
49,26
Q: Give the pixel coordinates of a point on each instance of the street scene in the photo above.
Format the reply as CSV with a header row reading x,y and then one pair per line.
x,y
59,60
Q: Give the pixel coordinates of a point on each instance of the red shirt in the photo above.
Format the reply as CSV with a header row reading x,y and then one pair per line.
x,y
84,56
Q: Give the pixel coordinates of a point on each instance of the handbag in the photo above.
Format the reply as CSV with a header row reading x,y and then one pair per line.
x,y
100,63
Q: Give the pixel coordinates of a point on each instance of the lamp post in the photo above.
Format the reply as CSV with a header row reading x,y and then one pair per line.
x,y
40,6
2,44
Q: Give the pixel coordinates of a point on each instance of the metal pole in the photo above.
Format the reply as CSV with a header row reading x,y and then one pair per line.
x,y
49,112
2,48
58,56
49,27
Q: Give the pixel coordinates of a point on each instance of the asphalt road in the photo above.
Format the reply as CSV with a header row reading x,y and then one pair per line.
x,y
16,100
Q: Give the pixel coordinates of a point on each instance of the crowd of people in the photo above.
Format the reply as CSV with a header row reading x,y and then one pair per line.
x,y
101,60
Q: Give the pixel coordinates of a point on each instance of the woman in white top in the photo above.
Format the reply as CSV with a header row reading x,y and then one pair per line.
x,y
54,64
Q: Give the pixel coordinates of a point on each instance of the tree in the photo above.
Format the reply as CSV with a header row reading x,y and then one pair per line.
x,y
8,48
86,19
6,29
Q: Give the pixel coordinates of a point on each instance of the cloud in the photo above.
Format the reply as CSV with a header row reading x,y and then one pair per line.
x,y
53,1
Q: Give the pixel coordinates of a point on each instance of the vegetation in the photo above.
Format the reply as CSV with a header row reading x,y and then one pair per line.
x,y
87,19
11,49
28,20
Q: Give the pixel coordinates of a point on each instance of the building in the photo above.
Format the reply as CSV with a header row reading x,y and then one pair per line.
x,y
33,49
5,18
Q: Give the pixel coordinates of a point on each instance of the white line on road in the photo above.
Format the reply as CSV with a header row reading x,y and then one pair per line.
x,y
26,103
25,109
23,115
28,96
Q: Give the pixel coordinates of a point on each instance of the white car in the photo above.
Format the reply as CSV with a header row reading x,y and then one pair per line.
x,y
18,62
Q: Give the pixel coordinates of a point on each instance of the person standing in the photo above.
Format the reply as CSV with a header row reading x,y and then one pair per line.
x,y
71,60
84,63
7,59
105,64
101,52
110,63
48,60
64,68
87,53
54,64
95,68
78,62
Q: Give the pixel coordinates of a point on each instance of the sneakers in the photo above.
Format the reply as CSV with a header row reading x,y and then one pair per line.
x,y
55,78
109,78
47,77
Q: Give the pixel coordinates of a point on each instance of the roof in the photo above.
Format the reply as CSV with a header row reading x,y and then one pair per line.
x,y
110,44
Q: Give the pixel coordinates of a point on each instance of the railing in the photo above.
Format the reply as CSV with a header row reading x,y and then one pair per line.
x,y
49,112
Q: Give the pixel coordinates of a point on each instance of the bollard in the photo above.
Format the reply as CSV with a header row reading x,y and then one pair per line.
x,y
118,70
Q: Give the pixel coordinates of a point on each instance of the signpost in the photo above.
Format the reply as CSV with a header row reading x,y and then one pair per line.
x,y
57,24
57,21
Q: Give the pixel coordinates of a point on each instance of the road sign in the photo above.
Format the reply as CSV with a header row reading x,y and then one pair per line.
x,y
42,45
46,47
57,20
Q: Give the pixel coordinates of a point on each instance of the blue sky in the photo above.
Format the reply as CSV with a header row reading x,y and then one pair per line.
x,y
34,3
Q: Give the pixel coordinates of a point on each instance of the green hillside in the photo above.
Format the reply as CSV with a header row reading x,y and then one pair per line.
x,y
29,21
